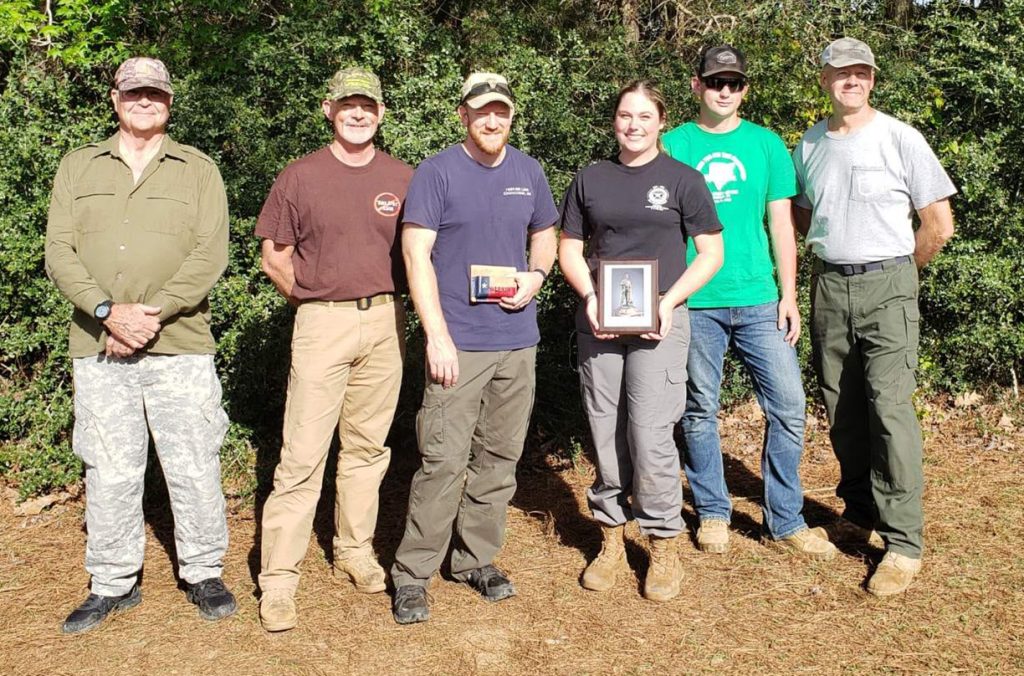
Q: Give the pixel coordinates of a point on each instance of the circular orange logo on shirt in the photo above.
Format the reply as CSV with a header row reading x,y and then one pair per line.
x,y
387,204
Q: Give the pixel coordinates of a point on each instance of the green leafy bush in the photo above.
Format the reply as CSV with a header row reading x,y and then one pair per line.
x,y
249,75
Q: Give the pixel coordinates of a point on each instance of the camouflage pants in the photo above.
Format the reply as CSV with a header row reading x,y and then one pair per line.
x,y
179,396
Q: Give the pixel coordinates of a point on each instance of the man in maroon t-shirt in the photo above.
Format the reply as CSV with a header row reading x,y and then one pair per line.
x,y
331,247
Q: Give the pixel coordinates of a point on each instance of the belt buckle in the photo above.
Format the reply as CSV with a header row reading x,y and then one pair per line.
x,y
364,303
848,270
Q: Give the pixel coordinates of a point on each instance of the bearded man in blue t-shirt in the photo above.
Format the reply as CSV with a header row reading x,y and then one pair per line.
x,y
475,203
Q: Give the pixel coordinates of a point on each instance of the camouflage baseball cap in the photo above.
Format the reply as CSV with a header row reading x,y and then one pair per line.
x,y
354,82
847,52
142,71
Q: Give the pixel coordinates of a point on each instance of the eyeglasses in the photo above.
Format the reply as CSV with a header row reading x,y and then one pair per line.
x,y
719,83
487,88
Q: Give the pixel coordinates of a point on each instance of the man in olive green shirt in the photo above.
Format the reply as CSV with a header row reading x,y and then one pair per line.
x,y
137,235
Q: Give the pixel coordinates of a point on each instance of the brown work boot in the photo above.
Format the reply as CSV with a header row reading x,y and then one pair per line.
x,y
665,572
844,530
893,575
807,544
277,610
601,573
364,572
713,536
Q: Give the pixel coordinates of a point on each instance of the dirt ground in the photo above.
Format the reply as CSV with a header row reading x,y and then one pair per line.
x,y
752,610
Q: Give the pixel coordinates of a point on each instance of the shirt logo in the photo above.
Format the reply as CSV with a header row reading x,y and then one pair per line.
x,y
657,198
720,169
387,204
517,190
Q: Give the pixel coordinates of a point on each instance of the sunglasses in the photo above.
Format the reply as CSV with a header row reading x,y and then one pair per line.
x,y
719,83
487,88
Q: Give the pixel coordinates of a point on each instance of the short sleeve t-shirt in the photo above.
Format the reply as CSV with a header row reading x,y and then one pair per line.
x,y
862,188
482,216
644,212
343,223
744,169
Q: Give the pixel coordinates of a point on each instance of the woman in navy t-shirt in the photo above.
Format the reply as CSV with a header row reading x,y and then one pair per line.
x,y
640,205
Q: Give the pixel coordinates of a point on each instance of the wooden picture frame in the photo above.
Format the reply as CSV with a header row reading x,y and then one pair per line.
x,y
627,296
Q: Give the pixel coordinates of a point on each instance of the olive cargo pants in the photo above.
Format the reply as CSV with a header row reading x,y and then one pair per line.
x,y
865,330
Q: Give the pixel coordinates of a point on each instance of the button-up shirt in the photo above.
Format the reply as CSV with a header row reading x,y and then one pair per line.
x,y
161,241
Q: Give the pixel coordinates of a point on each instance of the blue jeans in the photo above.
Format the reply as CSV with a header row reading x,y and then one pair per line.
x,y
773,367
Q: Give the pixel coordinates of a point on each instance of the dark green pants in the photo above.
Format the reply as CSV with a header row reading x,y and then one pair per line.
x,y
865,331
470,437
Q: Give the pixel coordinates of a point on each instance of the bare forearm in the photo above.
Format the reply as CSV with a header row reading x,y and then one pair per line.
x,y
783,237
425,297
574,266
543,246
936,229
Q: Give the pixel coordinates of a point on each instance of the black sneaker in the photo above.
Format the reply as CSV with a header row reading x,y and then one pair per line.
x,y
96,608
492,584
212,597
410,604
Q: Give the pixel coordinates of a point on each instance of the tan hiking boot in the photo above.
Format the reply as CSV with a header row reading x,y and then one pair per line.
x,y
666,570
601,573
844,530
807,544
713,536
893,575
277,610
364,572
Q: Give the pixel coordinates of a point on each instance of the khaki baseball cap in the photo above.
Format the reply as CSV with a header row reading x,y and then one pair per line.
x,y
354,81
142,71
847,52
479,89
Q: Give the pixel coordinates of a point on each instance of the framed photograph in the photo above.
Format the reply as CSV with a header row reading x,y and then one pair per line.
x,y
627,296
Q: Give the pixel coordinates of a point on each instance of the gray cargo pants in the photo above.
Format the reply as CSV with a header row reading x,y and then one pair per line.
x,y
179,396
470,438
634,392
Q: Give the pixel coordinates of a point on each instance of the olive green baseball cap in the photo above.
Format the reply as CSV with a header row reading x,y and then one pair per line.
x,y
354,81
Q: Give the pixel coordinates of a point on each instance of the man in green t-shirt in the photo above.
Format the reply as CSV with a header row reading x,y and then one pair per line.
x,y
749,173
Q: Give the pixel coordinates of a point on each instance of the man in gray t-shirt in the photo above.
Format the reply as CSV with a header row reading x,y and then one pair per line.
x,y
862,176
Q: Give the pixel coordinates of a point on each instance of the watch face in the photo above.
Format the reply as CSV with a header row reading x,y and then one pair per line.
x,y
102,311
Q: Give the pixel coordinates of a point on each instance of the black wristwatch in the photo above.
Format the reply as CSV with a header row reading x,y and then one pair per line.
x,y
102,311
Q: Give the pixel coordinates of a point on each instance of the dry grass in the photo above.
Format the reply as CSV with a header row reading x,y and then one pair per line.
x,y
750,611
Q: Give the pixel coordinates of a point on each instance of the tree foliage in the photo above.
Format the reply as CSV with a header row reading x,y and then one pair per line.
x,y
249,75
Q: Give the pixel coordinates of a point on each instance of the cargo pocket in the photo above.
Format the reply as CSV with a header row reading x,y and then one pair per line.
x,y
912,318
86,441
216,421
430,429
675,393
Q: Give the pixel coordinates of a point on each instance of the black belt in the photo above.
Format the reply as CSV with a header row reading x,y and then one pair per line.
x,y
847,270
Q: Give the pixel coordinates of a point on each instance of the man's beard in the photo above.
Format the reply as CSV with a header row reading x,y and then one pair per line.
x,y
490,144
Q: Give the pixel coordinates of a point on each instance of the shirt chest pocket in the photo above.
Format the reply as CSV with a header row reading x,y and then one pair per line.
x,y
94,206
168,211
868,184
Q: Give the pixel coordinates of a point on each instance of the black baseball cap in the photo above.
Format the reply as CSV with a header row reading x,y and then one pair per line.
x,y
722,59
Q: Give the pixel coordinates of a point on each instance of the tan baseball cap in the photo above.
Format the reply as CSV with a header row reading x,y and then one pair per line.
x,y
847,52
479,89
354,81
142,71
